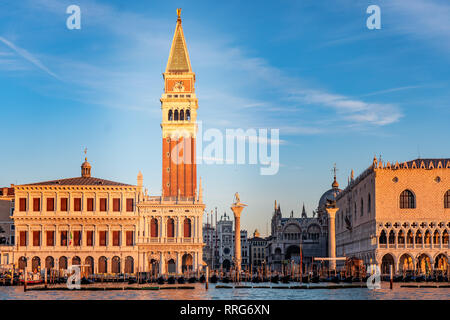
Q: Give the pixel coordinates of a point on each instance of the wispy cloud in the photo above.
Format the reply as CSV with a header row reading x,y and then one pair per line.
x,y
353,110
427,20
29,57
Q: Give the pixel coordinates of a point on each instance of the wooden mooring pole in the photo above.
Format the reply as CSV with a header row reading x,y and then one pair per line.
x,y
207,278
391,280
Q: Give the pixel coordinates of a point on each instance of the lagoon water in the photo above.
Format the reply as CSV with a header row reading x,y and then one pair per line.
x,y
199,293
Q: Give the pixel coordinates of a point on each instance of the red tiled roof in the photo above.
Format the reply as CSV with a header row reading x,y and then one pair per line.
x,y
79,181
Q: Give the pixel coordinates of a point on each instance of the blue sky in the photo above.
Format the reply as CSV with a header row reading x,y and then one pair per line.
x,y
338,92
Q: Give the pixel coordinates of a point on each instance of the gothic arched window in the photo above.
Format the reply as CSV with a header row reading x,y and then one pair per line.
x,y
369,203
447,200
407,200
362,207
383,238
181,114
170,116
176,115
188,114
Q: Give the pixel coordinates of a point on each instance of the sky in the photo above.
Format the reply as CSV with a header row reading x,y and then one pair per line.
x,y
337,91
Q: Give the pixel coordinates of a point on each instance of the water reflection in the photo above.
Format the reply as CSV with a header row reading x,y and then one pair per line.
x,y
199,293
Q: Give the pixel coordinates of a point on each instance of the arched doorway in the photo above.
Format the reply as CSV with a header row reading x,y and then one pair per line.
x,y
62,263
293,253
22,263
90,262
154,267
102,265
115,264
386,262
423,264
129,265
171,267
406,263
49,263
441,262
76,261
35,264
226,264
187,263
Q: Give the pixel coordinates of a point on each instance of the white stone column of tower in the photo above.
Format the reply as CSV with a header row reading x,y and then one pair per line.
x,y
332,236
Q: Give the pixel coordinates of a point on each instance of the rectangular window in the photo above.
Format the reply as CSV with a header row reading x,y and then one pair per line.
x,y
64,238
50,238
90,204
64,202
36,238
23,204
36,204
116,238
23,238
77,238
130,238
102,238
116,204
89,238
77,204
50,204
103,204
130,202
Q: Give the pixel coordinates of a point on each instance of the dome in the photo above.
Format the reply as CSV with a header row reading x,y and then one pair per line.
x,y
329,195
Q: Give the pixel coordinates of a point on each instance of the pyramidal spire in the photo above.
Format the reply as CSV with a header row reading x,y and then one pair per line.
x,y
304,211
178,57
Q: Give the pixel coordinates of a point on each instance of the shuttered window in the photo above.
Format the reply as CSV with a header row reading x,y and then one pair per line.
x,y
23,204
64,238
102,238
50,204
77,204
103,204
130,204
64,202
77,238
90,204
37,204
170,228
116,238
89,238
116,204
154,228
130,238
187,228
36,238
23,238
50,238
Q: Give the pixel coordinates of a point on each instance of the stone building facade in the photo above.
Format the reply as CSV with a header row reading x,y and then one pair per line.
x,y
397,214
258,248
289,234
221,237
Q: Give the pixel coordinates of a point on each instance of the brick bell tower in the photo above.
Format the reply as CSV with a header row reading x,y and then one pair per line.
x,y
179,114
